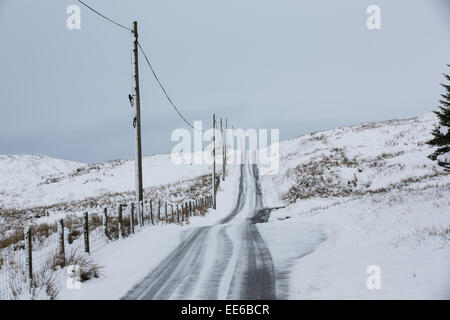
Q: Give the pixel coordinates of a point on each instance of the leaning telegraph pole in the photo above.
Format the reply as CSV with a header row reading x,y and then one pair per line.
x,y
223,151
226,138
214,162
137,114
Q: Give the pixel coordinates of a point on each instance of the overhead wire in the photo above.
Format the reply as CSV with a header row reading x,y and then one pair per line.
x,y
163,89
148,63
105,17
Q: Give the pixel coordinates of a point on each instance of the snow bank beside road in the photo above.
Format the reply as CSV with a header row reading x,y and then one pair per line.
x,y
126,262
406,234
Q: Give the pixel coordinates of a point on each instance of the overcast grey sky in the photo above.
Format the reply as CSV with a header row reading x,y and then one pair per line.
x,y
297,65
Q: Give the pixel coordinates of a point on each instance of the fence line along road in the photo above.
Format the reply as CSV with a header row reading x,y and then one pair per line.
x,y
22,263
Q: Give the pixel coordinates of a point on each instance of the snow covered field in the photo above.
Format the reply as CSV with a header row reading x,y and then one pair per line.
x,y
343,201
357,197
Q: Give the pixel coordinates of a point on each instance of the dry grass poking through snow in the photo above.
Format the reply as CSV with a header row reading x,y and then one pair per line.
x,y
356,161
46,283
13,220
322,176
363,172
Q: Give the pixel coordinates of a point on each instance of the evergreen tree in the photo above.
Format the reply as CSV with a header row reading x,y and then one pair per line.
x,y
441,132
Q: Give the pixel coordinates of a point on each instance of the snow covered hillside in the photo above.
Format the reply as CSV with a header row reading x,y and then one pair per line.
x,y
37,181
40,189
354,197
20,171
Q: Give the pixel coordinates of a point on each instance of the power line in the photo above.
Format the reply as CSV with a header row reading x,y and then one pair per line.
x,y
163,89
105,17
148,62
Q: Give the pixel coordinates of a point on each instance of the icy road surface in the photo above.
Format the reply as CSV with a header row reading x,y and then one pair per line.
x,y
227,261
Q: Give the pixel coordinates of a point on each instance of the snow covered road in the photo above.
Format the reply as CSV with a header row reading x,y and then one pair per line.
x,y
229,260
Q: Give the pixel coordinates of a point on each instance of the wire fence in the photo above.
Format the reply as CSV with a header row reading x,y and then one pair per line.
x,y
24,264
12,273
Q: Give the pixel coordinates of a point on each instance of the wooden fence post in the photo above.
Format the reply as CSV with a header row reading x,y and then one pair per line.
x,y
86,232
132,217
105,222
29,254
187,210
165,211
151,213
62,251
138,213
141,207
159,210
144,206
119,218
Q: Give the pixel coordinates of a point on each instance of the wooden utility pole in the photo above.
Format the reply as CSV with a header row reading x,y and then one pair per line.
x,y
214,162
137,114
223,151
226,142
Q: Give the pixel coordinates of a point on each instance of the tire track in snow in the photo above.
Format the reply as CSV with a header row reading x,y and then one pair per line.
x,y
212,286
242,271
254,277
159,284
